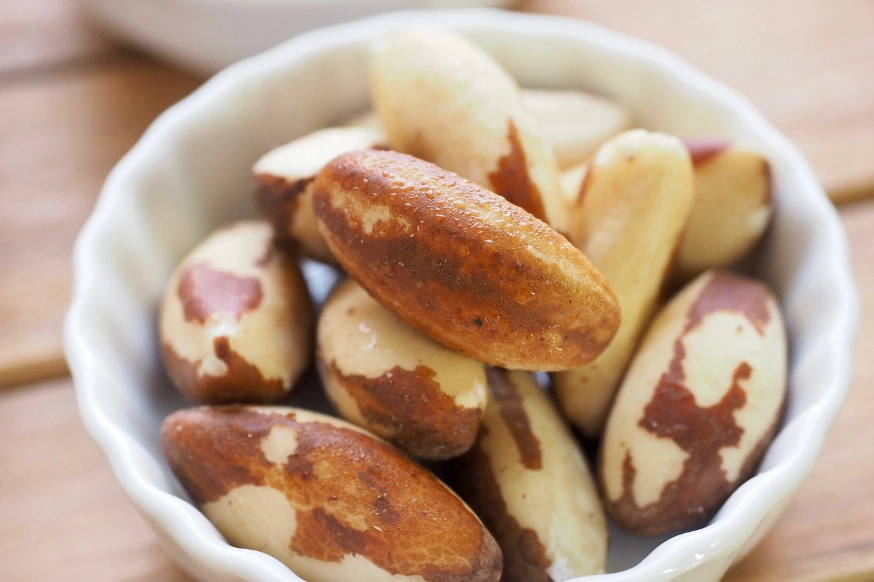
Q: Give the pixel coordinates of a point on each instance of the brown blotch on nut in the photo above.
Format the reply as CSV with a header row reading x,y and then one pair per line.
x,y
204,291
351,494
513,412
418,416
511,180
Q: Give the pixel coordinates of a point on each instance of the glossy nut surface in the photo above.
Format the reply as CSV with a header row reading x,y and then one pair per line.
x,y
472,271
698,406
528,481
325,498
732,205
284,178
442,99
236,319
634,204
388,377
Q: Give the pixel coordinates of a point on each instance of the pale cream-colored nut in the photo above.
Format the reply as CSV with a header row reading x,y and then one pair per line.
x,y
366,118
325,498
284,178
442,99
236,320
575,123
572,181
390,378
698,407
635,202
462,264
528,481
732,206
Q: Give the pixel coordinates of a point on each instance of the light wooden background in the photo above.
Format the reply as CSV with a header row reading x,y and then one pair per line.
x,y
72,103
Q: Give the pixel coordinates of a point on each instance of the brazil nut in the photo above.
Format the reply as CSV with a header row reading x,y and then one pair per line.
x,y
469,269
325,498
698,407
386,376
284,179
236,319
528,481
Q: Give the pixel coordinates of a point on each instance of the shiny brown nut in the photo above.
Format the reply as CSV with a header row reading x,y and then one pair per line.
x,y
575,123
635,202
698,407
469,269
284,178
528,481
325,498
442,99
236,319
388,377
732,206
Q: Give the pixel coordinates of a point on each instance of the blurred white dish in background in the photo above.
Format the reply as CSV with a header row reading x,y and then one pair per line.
x,y
208,35
191,172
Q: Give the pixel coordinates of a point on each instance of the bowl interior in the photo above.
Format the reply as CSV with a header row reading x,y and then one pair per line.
x,y
191,172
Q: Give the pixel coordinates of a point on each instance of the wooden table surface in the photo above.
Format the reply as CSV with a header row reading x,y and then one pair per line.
x,y
72,103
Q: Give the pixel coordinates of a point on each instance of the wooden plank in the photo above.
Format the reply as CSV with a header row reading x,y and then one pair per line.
x,y
40,34
62,514
806,65
827,532
59,137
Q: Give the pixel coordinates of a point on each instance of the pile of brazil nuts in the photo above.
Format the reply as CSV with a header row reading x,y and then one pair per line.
x,y
487,233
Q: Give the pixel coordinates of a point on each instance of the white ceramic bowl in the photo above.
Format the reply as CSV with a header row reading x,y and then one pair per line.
x,y
190,173
208,35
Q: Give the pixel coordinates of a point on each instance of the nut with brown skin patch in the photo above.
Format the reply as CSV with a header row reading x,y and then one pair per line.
x,y
236,319
634,202
442,99
388,377
325,498
698,407
528,481
472,271
732,206
284,177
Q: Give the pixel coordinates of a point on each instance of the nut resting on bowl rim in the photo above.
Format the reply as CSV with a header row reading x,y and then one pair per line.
x,y
190,173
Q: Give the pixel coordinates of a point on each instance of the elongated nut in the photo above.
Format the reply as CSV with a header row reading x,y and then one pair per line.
x,y
575,123
284,178
527,480
698,407
636,201
236,320
732,206
391,379
469,269
325,498
442,99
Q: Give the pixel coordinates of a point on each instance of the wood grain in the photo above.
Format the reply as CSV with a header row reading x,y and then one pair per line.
x,y
45,34
808,66
59,137
62,515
